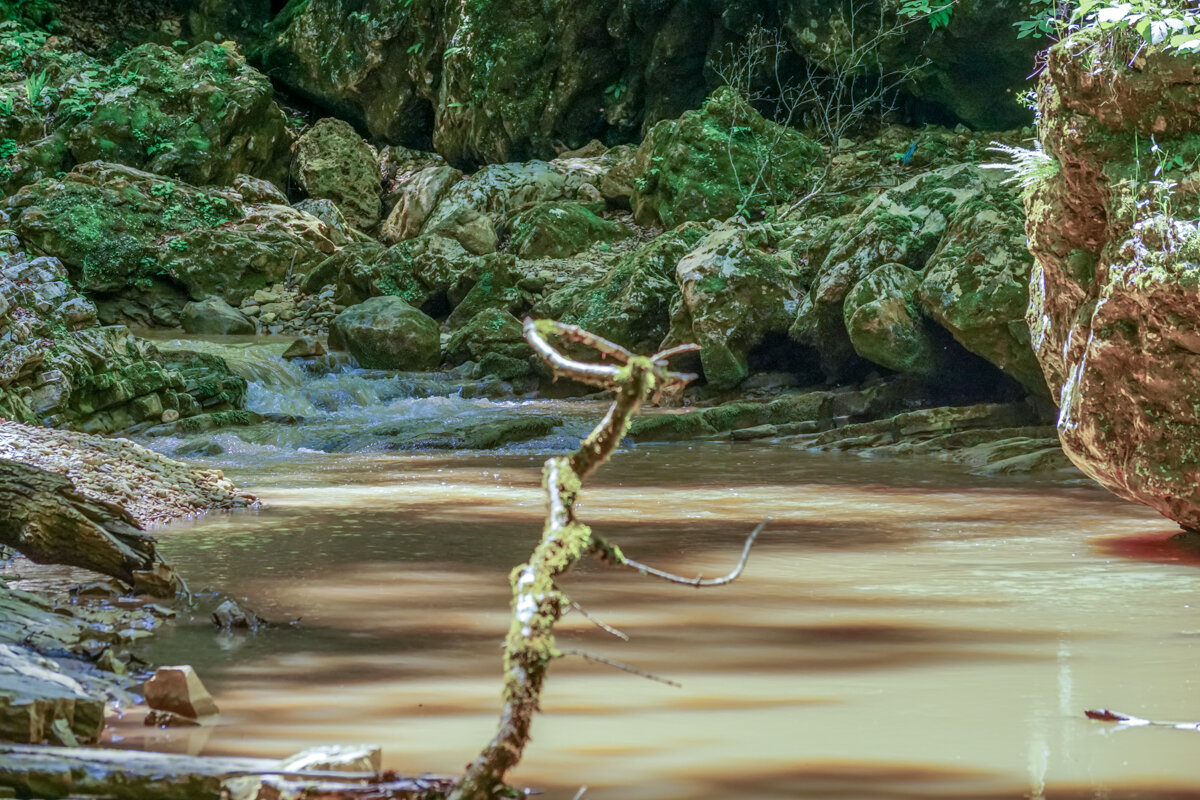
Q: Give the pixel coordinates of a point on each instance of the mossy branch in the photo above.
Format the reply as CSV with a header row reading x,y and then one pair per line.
x,y
538,602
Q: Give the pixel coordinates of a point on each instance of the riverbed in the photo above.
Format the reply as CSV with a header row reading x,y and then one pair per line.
x,y
902,629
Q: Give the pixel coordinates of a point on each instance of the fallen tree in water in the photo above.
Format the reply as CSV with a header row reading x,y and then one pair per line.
x,y
538,601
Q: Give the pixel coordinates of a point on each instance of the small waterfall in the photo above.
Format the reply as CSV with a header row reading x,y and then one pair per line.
x,y
329,405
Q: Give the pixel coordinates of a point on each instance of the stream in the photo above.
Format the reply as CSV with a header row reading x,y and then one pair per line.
x,y
902,630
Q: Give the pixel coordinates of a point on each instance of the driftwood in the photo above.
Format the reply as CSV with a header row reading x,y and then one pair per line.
x,y
43,517
538,602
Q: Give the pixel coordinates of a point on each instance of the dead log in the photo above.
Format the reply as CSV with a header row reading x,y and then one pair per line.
x,y
43,517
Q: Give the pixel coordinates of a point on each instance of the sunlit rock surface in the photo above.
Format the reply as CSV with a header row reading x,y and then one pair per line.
x,y
1115,297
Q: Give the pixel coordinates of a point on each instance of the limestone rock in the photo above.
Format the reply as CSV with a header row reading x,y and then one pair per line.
x,y
491,331
388,333
631,302
304,347
213,315
414,270
178,690
416,196
120,227
203,117
901,226
333,163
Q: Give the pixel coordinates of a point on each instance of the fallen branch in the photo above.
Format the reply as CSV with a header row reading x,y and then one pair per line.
x,y
538,602
1126,721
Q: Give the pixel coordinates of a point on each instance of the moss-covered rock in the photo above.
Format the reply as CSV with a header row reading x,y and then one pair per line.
x,y
885,323
494,281
557,230
631,303
116,226
721,160
416,194
976,284
387,333
901,226
333,163
415,270
202,117
735,288
491,331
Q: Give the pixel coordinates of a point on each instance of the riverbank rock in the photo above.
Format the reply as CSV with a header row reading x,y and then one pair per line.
x,y
116,227
1115,301
58,367
885,324
723,159
333,163
214,316
151,487
387,333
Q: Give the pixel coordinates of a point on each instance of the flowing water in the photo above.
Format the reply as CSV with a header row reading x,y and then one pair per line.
x,y
901,631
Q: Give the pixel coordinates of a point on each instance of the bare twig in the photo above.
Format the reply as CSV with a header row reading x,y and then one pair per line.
x,y
1126,721
621,665
617,557
604,626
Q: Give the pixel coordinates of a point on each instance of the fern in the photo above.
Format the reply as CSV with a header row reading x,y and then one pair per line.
x,y
1029,167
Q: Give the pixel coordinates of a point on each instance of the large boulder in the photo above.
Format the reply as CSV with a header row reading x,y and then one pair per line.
x,y
735,288
116,226
723,159
490,332
885,324
212,315
387,333
333,163
1114,298
202,117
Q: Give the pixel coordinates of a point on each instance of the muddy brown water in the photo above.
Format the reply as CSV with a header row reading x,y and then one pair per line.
x,y
902,630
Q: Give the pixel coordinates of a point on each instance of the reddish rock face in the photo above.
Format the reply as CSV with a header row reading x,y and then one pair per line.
x,y
1115,293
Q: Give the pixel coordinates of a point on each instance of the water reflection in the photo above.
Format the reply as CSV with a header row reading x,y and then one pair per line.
x,y
902,631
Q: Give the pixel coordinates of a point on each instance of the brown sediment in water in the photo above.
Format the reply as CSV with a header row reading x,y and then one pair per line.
x,y
1161,547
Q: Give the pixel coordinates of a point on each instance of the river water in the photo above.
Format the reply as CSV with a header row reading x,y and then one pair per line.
x,y
901,631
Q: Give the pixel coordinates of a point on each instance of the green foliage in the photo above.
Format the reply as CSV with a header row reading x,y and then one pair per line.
x,y
1173,25
36,12
35,85
937,12
1045,19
